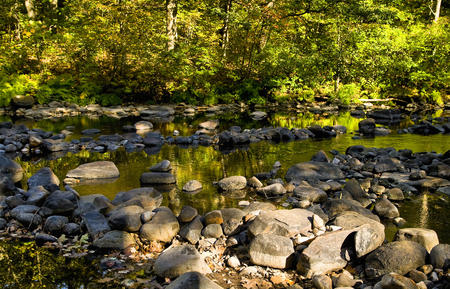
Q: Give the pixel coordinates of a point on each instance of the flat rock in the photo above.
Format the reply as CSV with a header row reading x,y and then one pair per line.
x,y
318,170
95,170
399,257
272,251
310,193
259,206
179,260
271,190
193,280
336,206
286,223
425,183
157,178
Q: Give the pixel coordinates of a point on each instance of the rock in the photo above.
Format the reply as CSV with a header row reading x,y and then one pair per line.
x,y
55,225
366,239
320,156
115,240
212,231
143,126
35,141
393,280
126,219
22,101
187,214
309,193
163,227
253,182
232,214
232,183
157,178
213,217
324,254
318,170
425,237
286,223
91,131
322,281
179,260
55,145
272,190
209,125
44,177
43,238
123,197
367,126
153,139
417,276
29,220
259,206
395,194
385,209
193,280
399,257
57,206
95,170
272,251
192,186
96,224
163,166
7,187
345,279
11,169
336,206
258,115
158,112
357,193
192,231
440,255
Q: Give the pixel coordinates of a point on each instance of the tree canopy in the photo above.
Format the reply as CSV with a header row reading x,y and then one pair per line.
x,y
222,51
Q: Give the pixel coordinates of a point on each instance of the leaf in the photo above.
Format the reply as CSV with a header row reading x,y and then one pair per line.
x,y
105,280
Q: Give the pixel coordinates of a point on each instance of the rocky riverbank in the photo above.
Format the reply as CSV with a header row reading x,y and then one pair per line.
x,y
329,235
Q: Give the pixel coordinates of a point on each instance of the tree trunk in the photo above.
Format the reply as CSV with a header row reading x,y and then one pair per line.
x,y
226,7
31,11
438,11
171,28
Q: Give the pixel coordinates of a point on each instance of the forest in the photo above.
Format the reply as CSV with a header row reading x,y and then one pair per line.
x,y
224,51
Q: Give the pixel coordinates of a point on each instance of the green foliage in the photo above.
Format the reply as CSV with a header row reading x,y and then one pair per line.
x,y
13,85
94,52
348,93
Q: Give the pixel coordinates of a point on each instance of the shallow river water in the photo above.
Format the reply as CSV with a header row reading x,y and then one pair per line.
x,y
207,165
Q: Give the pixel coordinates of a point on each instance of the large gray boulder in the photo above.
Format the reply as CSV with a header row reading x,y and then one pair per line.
x,y
193,280
11,169
115,240
179,260
163,227
425,237
366,238
126,219
96,224
232,183
324,254
43,177
271,251
318,170
399,257
439,255
287,223
95,170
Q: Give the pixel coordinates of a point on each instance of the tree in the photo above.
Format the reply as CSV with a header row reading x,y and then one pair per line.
x,y
171,23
